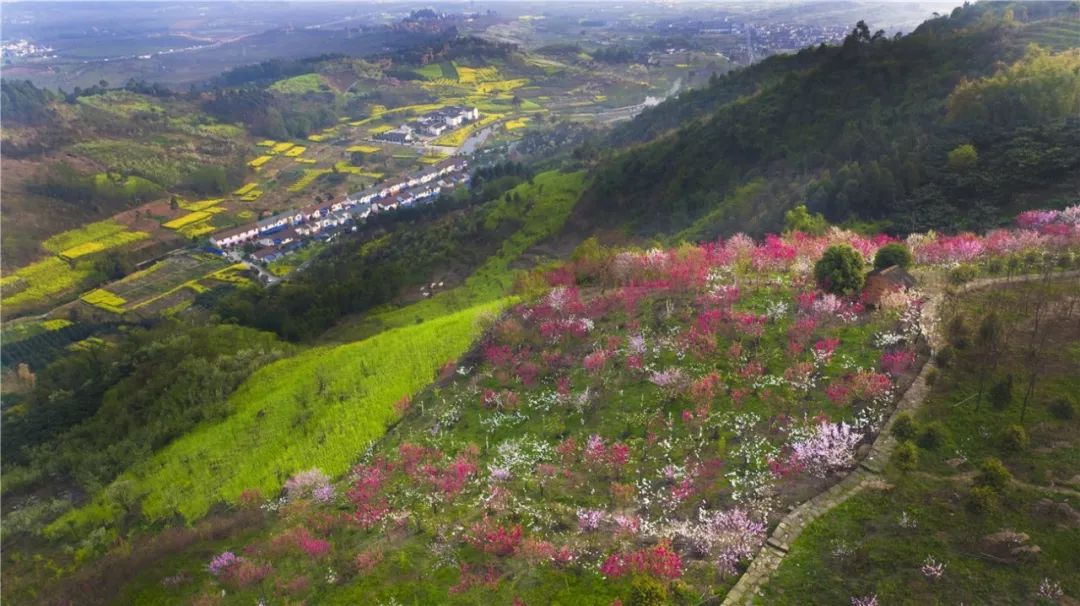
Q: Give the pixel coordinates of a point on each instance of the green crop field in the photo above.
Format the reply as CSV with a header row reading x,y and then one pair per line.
x,y
135,158
321,408
92,238
299,85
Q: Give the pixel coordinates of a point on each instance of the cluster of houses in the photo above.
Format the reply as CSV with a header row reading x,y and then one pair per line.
x,y
430,125
285,232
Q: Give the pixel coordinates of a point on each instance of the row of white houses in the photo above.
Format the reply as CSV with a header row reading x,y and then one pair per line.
x,y
285,227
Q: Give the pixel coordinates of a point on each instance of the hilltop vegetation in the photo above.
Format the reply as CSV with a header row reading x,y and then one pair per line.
x,y
862,131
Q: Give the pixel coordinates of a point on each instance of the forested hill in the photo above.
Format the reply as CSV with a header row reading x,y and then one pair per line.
x,y
875,129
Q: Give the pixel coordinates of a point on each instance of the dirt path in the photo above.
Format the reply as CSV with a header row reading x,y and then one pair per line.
x,y
867,476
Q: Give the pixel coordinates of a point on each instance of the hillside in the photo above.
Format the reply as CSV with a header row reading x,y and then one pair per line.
x,y
639,427
805,334
879,150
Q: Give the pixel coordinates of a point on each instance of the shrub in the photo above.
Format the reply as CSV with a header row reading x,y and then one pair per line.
x,y
1014,438
906,456
840,270
945,357
963,158
647,591
962,274
892,254
800,219
1062,409
932,436
993,474
982,499
959,333
931,376
904,427
1001,394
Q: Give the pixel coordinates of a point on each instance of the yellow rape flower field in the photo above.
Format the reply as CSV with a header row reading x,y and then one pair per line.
x,y
187,219
200,205
104,299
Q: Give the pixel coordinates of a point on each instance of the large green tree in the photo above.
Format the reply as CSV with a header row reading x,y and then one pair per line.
x,y
840,270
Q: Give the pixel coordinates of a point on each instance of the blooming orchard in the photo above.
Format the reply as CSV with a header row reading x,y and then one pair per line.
x,y
650,414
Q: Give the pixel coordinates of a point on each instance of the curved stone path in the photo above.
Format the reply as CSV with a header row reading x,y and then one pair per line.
x,y
868,474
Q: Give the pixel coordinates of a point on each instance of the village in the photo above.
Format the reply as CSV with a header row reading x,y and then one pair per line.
x,y
430,125
287,232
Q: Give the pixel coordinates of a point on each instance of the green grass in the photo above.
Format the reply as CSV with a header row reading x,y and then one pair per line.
x,y
736,204
321,408
14,332
1054,34
550,199
299,85
131,157
884,558
431,71
114,186
121,103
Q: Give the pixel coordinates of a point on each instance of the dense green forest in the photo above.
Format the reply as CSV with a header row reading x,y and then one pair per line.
x,y
94,412
879,151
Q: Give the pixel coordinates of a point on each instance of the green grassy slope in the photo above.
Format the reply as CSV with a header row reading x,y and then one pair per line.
x,y
320,408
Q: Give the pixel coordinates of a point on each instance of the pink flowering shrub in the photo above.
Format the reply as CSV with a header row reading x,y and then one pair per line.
x,y
897,362
595,361
305,484
366,492
671,380
589,519
659,561
823,350
300,539
247,573
223,563
488,537
932,569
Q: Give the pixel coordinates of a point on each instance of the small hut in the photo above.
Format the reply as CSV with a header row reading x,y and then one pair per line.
x,y
883,281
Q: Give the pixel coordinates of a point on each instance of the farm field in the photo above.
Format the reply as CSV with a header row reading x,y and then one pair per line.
x,y
42,281
144,290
